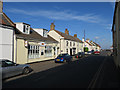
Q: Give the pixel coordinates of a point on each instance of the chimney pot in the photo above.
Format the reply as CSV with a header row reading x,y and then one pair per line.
x,y
88,40
75,35
66,31
52,26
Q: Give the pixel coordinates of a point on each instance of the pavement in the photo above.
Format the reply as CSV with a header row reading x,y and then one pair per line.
x,y
108,76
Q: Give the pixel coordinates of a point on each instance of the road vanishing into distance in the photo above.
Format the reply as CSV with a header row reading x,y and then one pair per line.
x,y
80,73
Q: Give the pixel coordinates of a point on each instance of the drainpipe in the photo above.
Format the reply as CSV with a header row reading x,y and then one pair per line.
x,y
13,47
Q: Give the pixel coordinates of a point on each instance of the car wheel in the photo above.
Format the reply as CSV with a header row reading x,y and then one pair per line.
x,y
26,70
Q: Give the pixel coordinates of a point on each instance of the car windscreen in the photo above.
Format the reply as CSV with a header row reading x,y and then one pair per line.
x,y
62,55
79,53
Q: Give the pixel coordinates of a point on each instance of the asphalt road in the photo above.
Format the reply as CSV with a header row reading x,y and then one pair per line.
x,y
77,74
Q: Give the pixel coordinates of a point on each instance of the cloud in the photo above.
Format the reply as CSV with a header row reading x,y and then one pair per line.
x,y
61,15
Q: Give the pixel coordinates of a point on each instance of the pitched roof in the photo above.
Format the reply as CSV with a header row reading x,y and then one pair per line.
x,y
92,43
68,37
89,43
35,36
5,20
97,44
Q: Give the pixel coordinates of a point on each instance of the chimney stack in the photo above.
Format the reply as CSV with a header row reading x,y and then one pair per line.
x,y
52,26
1,6
88,40
66,31
83,39
75,35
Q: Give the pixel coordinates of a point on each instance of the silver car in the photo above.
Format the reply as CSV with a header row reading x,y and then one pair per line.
x,y
9,69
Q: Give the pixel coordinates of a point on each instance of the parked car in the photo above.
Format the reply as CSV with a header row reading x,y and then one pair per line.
x,y
9,68
97,52
89,52
80,54
63,58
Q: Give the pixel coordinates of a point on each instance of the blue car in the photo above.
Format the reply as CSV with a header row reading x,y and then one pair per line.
x,y
63,58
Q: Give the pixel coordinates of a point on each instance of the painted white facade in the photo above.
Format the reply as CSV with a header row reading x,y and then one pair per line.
x,y
85,44
66,46
6,43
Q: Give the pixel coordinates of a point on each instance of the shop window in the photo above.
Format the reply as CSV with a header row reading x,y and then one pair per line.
x,y
33,51
48,51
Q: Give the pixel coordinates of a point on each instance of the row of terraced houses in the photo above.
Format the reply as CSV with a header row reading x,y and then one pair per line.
x,y
22,44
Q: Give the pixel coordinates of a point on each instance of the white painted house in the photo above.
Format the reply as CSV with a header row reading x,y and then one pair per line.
x,y
7,31
67,43
87,44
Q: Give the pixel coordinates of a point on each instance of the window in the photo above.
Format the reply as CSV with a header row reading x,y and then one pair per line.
x,y
74,44
48,51
33,51
66,43
26,29
9,63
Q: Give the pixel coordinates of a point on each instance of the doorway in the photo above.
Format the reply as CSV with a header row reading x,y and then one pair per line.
x,y
70,52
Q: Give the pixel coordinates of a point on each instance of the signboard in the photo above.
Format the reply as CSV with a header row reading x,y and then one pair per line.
x,y
42,44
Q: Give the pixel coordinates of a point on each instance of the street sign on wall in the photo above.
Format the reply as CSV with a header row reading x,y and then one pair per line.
x,y
42,44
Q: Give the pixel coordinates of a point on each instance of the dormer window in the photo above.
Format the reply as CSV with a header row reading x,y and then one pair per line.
x,y
23,27
26,29
42,32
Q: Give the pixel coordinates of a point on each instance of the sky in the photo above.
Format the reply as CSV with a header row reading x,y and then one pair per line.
x,y
95,18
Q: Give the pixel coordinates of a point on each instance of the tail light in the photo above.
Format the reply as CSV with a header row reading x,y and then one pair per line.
x,y
62,58
77,56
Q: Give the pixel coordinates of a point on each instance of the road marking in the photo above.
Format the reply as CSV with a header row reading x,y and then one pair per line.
x,y
96,76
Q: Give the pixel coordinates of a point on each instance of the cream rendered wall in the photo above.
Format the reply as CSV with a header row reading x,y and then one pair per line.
x,y
21,52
